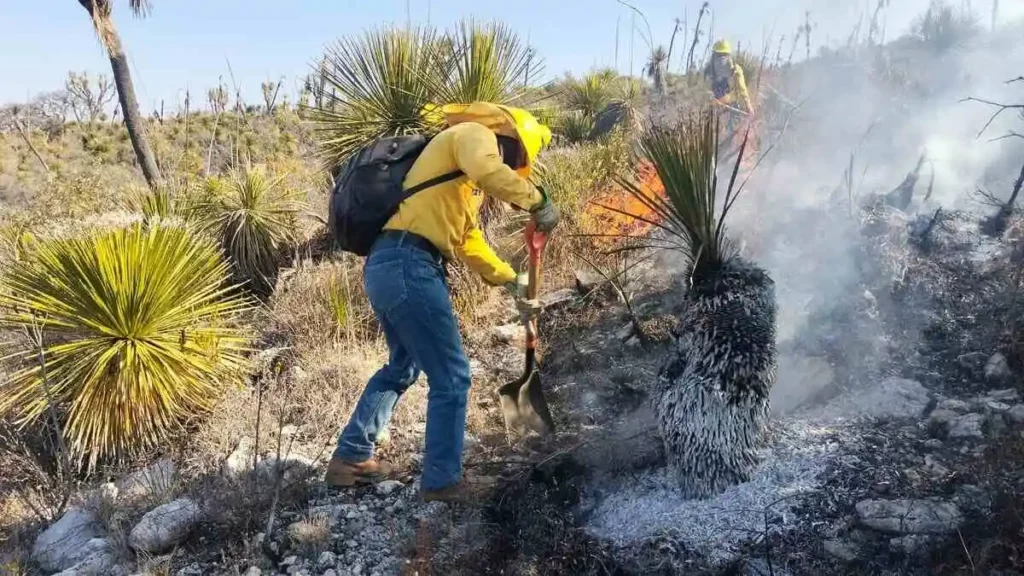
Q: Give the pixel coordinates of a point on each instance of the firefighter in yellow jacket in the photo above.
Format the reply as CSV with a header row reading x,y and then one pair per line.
x,y
495,147
727,81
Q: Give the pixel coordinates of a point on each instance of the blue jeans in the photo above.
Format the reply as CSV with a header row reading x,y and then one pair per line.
x,y
407,290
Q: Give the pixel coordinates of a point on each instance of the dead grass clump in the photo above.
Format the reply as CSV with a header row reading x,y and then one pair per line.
x,y
311,533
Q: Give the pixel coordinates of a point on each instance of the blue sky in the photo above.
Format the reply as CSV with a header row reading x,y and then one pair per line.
x,y
188,43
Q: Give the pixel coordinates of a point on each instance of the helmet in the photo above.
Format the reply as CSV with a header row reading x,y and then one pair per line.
x,y
533,135
722,47
504,121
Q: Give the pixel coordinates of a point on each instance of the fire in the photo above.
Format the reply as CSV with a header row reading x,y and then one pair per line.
x,y
605,216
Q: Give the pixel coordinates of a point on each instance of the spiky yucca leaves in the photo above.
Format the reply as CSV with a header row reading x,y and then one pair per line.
x,y
712,395
484,63
139,333
373,86
255,217
591,93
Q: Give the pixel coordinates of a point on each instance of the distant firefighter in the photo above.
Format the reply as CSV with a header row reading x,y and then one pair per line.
x,y
726,76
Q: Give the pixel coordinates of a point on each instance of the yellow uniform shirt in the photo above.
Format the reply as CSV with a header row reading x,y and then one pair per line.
x,y
446,214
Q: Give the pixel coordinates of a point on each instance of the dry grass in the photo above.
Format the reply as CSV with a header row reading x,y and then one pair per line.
x,y
312,533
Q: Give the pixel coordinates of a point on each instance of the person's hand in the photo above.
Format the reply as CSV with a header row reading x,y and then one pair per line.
x,y
546,215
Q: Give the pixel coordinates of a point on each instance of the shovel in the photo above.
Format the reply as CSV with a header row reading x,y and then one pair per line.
x,y
522,401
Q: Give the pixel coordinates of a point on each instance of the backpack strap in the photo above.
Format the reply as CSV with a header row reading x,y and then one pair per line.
x,y
433,182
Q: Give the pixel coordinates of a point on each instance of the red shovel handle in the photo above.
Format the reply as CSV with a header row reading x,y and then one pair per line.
x,y
535,242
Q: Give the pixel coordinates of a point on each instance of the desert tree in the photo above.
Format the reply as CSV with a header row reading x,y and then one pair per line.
x,y
100,11
655,68
270,92
87,99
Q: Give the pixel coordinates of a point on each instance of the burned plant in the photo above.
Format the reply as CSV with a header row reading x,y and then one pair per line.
x,y
711,397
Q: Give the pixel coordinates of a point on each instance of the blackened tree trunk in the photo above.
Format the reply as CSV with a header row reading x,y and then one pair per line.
x,y
100,12
133,119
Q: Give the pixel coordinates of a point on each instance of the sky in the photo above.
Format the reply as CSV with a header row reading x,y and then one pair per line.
x,y
190,43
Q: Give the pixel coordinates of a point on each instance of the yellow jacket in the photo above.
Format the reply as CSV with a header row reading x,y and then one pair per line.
x,y
446,214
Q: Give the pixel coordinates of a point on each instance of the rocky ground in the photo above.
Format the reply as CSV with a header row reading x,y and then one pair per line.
x,y
897,448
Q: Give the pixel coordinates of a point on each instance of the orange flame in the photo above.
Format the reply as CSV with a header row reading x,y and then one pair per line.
x,y
606,215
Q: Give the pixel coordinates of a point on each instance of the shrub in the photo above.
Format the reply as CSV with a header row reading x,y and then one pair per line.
x,y
255,216
137,334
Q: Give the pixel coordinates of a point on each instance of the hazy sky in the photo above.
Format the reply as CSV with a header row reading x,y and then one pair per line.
x,y
188,43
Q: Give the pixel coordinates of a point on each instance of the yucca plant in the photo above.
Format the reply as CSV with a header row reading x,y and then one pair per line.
x,y
483,63
590,94
573,127
139,333
255,216
711,400
375,85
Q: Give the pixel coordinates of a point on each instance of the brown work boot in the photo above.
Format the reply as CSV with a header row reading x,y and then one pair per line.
x,y
342,474
468,491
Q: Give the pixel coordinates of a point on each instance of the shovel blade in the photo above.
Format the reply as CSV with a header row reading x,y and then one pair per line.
x,y
524,407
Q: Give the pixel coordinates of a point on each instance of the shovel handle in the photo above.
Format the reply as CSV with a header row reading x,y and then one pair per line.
x,y
535,242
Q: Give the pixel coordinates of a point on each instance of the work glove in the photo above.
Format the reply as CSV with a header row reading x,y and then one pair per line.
x,y
546,215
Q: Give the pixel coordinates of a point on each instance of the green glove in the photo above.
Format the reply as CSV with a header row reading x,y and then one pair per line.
x,y
546,215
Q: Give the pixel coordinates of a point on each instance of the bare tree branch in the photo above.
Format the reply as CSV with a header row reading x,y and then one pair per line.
x,y
1002,108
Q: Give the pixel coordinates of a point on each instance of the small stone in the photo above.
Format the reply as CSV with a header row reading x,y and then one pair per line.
x,y
934,468
996,425
193,569
239,462
881,488
297,374
509,333
996,406
841,549
909,516
289,561
63,544
330,572
910,544
289,430
971,360
165,526
98,558
326,558
953,405
941,417
997,369
966,426
1005,395
933,444
293,468
157,478
1016,414
386,487
253,571
351,543
558,298
624,333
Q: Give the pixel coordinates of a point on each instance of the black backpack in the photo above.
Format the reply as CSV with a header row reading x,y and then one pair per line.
x,y
368,190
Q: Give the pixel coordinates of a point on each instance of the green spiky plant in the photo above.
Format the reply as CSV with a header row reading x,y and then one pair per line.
x,y
484,63
375,85
254,215
590,94
711,400
140,332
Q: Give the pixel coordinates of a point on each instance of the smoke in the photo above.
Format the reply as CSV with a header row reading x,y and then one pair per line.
x,y
857,121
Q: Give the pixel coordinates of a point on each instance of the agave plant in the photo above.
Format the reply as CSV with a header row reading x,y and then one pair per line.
x,y
711,400
255,216
137,332
484,63
590,94
375,85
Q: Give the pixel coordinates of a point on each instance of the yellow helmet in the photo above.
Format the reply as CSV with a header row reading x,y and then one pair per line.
x,y
533,135
505,121
722,47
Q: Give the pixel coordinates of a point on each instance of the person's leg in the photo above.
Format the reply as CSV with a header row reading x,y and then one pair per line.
x,y
426,326
373,411
353,459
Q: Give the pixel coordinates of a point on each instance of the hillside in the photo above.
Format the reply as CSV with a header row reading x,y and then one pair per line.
x,y
888,228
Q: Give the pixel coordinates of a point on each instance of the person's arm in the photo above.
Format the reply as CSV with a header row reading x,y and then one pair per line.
x,y
741,89
476,154
481,258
